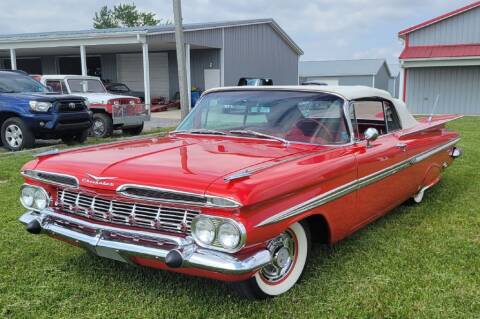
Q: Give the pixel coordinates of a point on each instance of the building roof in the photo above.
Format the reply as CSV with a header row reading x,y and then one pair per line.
x,y
349,92
439,18
341,67
441,51
145,30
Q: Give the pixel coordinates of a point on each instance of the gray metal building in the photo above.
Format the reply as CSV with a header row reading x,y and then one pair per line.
x,y
441,60
369,72
144,58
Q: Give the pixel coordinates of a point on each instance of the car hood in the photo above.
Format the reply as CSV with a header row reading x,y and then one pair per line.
x,y
180,163
102,98
47,96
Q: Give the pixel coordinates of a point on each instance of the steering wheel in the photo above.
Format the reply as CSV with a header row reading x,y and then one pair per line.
x,y
326,135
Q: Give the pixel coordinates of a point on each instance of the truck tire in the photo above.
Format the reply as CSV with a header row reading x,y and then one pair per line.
x,y
136,130
78,138
16,135
102,125
280,276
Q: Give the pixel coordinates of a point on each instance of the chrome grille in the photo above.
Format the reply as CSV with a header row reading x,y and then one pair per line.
x,y
126,213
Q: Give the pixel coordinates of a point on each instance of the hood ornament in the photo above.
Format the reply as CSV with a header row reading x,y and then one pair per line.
x,y
99,178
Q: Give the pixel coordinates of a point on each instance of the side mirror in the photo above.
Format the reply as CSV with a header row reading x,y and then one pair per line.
x,y
371,134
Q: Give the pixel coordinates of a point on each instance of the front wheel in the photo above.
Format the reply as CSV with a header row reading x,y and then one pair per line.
x,y
290,253
102,125
16,135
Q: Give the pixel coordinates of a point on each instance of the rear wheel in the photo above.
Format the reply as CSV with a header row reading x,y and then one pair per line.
x,y
133,130
102,125
16,135
78,138
290,253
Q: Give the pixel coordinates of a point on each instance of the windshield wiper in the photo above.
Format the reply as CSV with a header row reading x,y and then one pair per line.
x,y
258,134
201,131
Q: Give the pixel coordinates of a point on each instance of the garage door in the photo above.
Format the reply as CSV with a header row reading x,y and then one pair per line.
x,y
457,88
130,72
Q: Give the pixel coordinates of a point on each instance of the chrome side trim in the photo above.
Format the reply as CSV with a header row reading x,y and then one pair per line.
x,y
353,186
32,174
122,244
209,199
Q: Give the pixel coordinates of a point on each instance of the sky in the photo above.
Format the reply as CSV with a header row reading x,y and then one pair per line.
x,y
324,29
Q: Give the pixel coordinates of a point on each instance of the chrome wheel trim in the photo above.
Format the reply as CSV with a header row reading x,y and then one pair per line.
x,y
284,252
98,128
14,135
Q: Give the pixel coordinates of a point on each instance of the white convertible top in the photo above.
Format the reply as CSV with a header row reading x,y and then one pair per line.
x,y
347,92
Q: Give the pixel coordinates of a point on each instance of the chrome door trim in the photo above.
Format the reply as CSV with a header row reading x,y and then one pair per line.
x,y
353,185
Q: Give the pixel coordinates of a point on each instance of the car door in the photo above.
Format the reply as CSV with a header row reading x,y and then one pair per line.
x,y
380,180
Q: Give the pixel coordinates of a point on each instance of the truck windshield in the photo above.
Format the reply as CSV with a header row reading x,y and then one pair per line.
x,y
305,117
86,86
17,83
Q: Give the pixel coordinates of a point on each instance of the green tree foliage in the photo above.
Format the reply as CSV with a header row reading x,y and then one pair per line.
x,y
124,15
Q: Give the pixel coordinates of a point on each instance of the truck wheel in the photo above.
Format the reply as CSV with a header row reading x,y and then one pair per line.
x,y
133,130
290,255
76,139
102,125
16,135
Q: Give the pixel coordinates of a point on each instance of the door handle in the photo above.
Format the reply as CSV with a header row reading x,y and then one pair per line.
x,y
402,146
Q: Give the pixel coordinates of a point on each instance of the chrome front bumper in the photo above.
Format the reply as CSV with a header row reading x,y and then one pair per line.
x,y
122,244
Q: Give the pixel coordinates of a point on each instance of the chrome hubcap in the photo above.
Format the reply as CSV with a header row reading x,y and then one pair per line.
x,y
14,135
283,252
98,128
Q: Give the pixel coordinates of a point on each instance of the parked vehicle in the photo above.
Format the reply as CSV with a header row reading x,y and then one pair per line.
x,y
110,111
314,82
254,82
29,111
241,197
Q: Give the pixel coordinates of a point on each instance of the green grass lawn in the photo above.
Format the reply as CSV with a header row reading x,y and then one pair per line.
x,y
419,261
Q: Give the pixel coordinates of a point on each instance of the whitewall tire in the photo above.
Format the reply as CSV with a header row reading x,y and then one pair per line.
x,y
290,255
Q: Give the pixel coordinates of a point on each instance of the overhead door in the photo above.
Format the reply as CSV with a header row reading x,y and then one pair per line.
x,y
457,89
130,72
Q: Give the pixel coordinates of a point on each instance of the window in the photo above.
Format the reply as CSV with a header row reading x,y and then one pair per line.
x,y
304,117
86,86
57,86
380,115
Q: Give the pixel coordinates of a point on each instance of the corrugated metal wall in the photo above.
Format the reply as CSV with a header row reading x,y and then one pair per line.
x,y
458,89
382,78
258,51
463,28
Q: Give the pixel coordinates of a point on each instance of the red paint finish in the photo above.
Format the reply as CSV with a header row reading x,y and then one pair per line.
x,y
285,176
440,51
440,18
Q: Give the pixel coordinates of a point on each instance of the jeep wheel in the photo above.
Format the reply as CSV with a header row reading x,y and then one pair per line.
x,y
102,125
78,138
133,130
290,253
16,135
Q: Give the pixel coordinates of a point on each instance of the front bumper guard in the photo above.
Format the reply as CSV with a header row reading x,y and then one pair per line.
x,y
122,244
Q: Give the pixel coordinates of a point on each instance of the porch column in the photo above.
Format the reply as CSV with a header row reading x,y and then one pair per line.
x,y
13,59
146,76
83,60
189,75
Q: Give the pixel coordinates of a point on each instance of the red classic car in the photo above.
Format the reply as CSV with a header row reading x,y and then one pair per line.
x,y
244,185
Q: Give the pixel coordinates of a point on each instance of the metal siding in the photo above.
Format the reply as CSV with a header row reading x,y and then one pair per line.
x,y
365,80
458,89
382,78
460,29
109,67
201,60
173,73
258,51
48,64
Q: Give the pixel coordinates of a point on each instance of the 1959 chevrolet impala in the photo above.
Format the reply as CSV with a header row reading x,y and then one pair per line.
x,y
244,185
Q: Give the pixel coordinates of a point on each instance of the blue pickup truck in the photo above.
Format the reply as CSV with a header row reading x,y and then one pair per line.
x,y
29,111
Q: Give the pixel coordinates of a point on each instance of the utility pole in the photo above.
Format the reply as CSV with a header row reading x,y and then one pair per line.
x,y
181,58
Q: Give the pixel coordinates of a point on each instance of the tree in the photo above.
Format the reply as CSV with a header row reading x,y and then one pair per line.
x,y
124,15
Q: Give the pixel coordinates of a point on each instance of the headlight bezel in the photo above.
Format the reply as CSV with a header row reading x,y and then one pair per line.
x,y
218,222
36,189
40,106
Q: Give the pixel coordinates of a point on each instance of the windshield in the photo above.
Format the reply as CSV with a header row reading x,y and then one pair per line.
x,y
85,86
16,83
304,117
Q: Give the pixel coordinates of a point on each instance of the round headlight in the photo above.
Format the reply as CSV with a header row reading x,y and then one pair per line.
x,y
40,199
228,235
27,195
204,231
